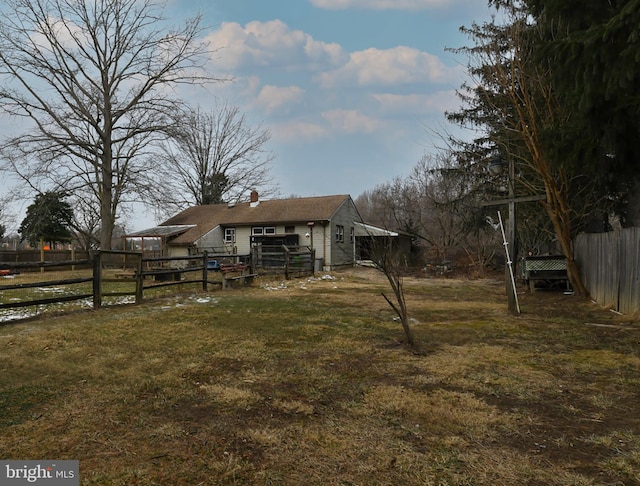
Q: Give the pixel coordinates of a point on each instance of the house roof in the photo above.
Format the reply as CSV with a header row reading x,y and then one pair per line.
x,y
161,231
275,211
367,229
363,229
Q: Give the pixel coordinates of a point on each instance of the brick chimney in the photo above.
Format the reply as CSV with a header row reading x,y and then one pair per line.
x,y
254,199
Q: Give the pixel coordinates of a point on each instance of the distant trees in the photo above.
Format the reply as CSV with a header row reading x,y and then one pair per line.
x,y
95,80
48,219
437,203
212,157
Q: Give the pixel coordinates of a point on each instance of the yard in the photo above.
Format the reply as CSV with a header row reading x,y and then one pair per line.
x,y
307,382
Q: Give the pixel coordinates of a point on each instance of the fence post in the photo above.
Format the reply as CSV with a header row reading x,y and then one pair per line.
x,y
97,280
139,280
286,261
205,270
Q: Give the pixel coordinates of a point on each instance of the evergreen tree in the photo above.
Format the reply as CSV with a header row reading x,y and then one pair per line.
x,y
49,218
592,48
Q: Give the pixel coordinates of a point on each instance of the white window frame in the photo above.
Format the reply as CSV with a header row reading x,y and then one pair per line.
x,y
229,235
263,230
339,233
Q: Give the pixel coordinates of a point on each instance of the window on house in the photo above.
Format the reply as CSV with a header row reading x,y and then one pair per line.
x,y
339,233
263,230
229,235
289,229
352,235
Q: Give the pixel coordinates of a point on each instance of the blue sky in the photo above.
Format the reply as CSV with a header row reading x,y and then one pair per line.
x,y
351,90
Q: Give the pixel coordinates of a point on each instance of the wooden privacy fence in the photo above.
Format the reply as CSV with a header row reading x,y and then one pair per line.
x,y
610,266
111,277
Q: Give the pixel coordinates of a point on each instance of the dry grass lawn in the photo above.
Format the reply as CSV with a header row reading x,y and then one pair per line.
x,y
308,382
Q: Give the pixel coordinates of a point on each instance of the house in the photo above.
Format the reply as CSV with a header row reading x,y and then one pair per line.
x,y
326,223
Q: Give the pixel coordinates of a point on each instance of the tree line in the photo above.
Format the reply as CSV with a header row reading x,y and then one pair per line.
x,y
553,91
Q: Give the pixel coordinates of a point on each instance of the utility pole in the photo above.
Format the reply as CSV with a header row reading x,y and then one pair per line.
x,y
496,167
513,248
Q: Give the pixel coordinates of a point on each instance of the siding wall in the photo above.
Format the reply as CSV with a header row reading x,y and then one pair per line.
x,y
342,253
212,241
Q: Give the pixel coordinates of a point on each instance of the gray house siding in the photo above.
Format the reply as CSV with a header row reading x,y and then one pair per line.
x,y
341,235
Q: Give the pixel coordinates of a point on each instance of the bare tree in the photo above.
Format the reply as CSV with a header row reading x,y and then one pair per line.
x,y
95,80
214,157
389,261
437,203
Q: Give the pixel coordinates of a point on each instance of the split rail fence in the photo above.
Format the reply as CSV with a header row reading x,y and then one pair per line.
x,y
107,278
121,277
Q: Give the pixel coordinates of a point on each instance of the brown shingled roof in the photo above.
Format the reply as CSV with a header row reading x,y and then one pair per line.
x,y
294,210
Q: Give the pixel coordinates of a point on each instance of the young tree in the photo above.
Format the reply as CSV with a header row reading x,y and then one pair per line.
x,y
95,80
214,157
48,219
389,262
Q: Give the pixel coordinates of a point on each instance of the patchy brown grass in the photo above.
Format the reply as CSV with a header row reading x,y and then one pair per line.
x,y
308,382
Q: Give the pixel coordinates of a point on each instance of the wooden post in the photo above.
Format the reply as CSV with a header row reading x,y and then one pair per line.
x,y
286,261
139,280
42,254
205,270
97,280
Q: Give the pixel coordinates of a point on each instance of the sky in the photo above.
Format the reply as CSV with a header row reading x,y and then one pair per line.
x,y
354,92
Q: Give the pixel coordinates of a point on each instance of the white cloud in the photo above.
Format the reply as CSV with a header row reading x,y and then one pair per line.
x,y
395,66
351,121
417,104
272,98
299,131
332,122
379,4
273,44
